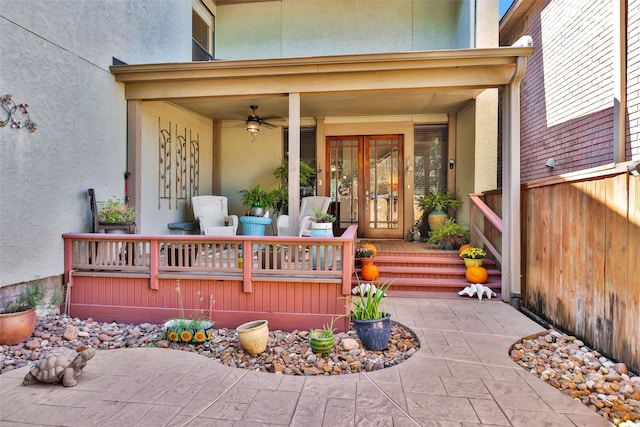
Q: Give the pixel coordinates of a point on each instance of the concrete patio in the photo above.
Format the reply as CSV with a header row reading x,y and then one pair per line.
x,y
461,376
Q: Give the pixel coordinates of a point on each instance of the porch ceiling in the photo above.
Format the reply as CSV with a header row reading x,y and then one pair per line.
x,y
410,83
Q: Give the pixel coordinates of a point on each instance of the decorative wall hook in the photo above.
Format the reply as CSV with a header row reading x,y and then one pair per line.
x,y
9,112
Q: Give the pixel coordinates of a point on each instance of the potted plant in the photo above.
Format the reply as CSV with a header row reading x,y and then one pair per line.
x,y
448,235
473,256
18,318
306,172
365,255
437,202
322,340
198,329
371,322
256,199
322,226
115,212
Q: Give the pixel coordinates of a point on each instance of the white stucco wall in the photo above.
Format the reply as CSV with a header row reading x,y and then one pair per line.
x,y
54,55
292,28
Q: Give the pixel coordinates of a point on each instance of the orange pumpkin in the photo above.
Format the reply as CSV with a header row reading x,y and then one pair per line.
x,y
476,274
462,248
369,272
369,246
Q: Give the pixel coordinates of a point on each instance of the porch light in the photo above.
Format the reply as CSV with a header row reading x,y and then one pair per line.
x,y
253,126
634,168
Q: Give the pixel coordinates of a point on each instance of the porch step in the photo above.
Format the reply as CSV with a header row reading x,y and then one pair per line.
x,y
439,272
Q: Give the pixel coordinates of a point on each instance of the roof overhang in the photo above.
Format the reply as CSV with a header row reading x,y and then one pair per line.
x,y
369,84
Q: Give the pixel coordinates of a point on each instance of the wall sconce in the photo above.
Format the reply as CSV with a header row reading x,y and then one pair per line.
x,y
551,163
634,168
10,110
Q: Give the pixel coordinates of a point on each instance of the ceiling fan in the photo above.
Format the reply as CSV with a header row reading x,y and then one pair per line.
x,y
254,121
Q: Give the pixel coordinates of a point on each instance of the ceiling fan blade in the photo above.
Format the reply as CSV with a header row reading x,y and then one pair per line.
x,y
268,125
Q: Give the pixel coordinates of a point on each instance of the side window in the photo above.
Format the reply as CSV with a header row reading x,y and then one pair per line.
x,y
307,155
431,145
202,32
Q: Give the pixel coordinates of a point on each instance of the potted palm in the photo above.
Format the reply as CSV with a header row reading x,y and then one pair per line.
x,y
18,318
437,202
370,320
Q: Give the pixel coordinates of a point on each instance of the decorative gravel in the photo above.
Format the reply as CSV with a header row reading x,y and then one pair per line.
x,y
287,352
566,363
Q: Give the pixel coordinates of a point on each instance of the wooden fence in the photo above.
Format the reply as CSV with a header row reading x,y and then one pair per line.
x,y
581,257
293,282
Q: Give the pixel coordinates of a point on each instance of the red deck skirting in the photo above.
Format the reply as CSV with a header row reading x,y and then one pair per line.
x,y
128,279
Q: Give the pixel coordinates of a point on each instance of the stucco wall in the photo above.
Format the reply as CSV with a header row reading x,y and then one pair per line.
x,y
291,28
246,162
465,159
158,212
55,57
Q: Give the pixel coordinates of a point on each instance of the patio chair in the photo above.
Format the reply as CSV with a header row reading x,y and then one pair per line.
x,y
307,206
99,227
213,215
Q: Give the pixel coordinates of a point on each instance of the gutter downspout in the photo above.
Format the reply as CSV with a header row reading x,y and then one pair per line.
x,y
511,236
619,80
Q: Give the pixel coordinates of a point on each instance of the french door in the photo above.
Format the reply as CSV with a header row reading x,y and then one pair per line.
x,y
365,178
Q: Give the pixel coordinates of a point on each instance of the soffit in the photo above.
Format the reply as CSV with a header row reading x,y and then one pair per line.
x,y
353,85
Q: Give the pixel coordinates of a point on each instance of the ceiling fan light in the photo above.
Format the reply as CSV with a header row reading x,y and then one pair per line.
x,y
253,126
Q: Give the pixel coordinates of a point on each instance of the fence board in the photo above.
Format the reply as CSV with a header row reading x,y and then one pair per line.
x,y
580,260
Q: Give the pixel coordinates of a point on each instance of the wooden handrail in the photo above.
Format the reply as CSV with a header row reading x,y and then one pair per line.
x,y
158,255
479,206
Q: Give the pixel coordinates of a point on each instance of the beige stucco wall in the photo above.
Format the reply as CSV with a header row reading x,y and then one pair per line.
x,y
54,55
157,212
246,162
291,28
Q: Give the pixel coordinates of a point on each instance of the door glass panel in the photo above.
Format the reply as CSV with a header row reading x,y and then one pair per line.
x,y
344,181
383,183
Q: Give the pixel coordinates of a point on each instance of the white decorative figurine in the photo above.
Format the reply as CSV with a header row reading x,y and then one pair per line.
x,y
477,289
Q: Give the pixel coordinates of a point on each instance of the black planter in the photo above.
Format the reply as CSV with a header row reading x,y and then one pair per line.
x,y
374,334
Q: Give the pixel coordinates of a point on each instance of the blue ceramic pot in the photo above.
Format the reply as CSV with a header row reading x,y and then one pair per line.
x,y
374,334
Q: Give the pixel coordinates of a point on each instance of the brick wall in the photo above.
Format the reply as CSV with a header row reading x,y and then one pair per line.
x,y
567,91
633,80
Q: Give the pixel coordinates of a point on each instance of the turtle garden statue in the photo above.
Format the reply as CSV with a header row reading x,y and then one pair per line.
x,y
61,365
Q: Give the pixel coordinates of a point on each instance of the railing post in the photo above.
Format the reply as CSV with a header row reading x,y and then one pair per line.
x,y
348,251
154,257
247,266
68,258
472,221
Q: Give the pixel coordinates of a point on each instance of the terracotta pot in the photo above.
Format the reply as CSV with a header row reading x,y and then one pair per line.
x,y
366,261
17,327
253,336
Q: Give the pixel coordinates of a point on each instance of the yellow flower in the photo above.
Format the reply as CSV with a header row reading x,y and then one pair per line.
x,y
200,336
186,336
173,336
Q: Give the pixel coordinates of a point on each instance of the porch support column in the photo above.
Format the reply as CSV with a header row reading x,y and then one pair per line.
x,y
511,251
134,156
294,163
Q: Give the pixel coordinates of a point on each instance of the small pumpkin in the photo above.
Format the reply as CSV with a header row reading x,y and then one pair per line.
x,y
369,246
369,272
462,248
477,275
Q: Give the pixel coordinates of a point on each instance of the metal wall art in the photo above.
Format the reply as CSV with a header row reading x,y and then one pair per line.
x,y
186,176
15,115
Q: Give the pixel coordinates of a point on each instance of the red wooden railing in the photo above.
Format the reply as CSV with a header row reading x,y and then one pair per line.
x,y
295,282
482,216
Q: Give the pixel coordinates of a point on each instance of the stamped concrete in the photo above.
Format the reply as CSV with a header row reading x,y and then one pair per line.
x,y
462,376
